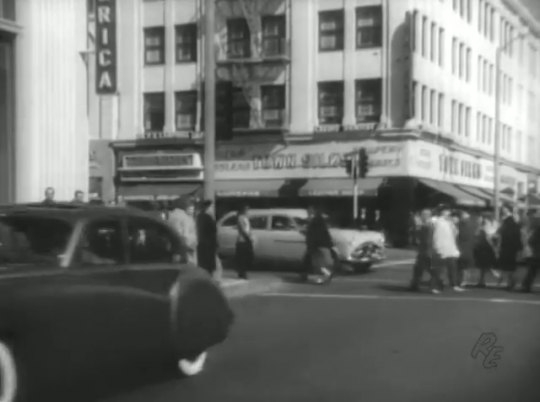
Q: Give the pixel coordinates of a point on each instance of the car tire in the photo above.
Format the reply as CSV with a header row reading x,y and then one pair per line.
x,y
191,366
10,389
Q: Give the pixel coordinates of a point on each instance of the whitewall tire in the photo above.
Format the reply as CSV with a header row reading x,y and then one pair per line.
x,y
190,367
8,374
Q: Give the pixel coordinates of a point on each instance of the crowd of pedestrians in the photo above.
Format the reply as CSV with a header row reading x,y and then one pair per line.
x,y
457,242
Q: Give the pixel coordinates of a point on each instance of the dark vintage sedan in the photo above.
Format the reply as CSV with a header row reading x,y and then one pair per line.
x,y
88,292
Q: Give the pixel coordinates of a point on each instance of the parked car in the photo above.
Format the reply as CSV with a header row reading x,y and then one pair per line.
x,y
91,290
280,240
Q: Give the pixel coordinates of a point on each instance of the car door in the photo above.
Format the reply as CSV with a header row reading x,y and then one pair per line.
x,y
227,235
259,229
287,243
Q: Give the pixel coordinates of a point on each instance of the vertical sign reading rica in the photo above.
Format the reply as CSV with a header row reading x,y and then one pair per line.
x,y
106,46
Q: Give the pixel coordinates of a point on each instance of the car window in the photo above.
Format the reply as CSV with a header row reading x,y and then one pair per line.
x,y
231,221
280,222
258,222
32,240
150,242
101,243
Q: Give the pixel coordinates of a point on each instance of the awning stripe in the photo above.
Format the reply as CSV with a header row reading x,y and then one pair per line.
x,y
249,188
340,187
461,197
159,191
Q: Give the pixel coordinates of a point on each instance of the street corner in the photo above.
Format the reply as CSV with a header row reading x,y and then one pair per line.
x,y
255,284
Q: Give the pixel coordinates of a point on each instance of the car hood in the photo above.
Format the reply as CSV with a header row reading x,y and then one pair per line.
x,y
355,236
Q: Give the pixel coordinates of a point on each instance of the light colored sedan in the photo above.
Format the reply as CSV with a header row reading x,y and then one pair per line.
x,y
279,239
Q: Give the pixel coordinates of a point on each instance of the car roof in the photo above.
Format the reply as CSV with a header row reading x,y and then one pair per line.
x,y
295,212
71,212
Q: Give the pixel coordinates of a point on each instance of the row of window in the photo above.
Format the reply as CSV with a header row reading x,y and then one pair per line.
x,y
368,28
486,19
431,105
461,119
484,128
506,138
368,101
463,8
432,40
461,59
273,109
486,76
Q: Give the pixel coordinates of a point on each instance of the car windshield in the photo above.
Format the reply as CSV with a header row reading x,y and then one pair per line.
x,y
32,240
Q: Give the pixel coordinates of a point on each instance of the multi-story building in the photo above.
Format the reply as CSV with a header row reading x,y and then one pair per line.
x,y
303,83
43,116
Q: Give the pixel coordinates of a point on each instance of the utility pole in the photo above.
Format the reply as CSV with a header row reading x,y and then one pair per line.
x,y
209,100
497,139
355,186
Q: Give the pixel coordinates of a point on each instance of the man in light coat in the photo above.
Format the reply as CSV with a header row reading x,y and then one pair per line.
x,y
182,219
445,250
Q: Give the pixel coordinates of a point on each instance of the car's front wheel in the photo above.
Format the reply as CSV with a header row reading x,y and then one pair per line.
x,y
9,377
191,366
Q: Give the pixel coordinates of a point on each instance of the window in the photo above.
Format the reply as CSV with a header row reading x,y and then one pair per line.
x,y
151,243
519,145
425,34
509,139
469,11
154,45
424,105
186,110
461,60
454,117
485,129
440,117
492,25
486,19
454,56
480,14
282,223
510,84
489,124
7,9
491,80
414,31
331,102
368,27
433,49
479,72
101,244
532,60
478,126
414,98
241,109
468,122
433,108
331,30
154,111
273,35
238,38
468,65
441,47
186,42
273,105
461,119
485,76
258,222
368,100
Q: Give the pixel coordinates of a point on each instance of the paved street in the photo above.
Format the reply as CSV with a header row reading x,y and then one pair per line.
x,y
365,338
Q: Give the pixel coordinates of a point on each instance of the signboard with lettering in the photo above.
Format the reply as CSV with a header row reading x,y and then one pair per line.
x,y
106,76
237,162
158,161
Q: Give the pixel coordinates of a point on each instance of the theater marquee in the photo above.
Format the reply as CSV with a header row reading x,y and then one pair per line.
x,y
106,47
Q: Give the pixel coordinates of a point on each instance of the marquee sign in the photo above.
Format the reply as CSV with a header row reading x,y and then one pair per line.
x,y
106,76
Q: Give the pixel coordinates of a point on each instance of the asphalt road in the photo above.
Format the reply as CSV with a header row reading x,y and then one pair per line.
x,y
366,338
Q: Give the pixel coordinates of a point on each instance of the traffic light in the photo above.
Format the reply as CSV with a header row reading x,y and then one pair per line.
x,y
349,166
363,162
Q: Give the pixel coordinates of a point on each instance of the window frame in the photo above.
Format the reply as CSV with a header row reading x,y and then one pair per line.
x,y
183,32
292,224
238,25
339,31
339,87
146,96
375,29
160,48
281,22
371,95
241,110
76,261
254,227
279,106
193,94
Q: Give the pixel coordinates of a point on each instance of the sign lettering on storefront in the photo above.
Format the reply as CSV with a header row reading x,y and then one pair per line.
x,y
158,160
152,135
106,47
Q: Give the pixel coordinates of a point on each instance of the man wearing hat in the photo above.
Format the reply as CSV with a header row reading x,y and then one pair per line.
x,y
182,219
207,230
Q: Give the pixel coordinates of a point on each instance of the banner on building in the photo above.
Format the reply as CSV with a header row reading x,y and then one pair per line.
x,y
106,76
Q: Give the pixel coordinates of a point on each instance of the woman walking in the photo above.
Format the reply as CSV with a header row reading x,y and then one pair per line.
x,y
484,250
319,247
510,245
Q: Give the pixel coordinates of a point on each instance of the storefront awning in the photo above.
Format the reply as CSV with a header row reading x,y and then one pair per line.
x,y
503,196
477,192
340,187
249,188
159,191
532,200
451,190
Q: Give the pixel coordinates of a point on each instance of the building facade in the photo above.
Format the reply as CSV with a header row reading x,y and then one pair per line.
x,y
43,113
303,83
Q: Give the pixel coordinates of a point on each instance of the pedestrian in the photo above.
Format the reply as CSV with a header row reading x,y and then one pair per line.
x,y
424,241
244,244
183,221
49,196
533,260
466,241
306,261
207,231
445,250
485,257
78,197
510,245
319,247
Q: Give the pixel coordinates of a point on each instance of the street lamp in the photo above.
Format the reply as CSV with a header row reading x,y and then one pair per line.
x,y
497,117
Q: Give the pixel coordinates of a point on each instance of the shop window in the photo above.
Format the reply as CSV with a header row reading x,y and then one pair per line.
x,y
368,27
273,105
368,100
238,38
273,35
241,109
331,30
154,111
258,222
7,9
150,243
154,45
186,110
331,102
186,43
